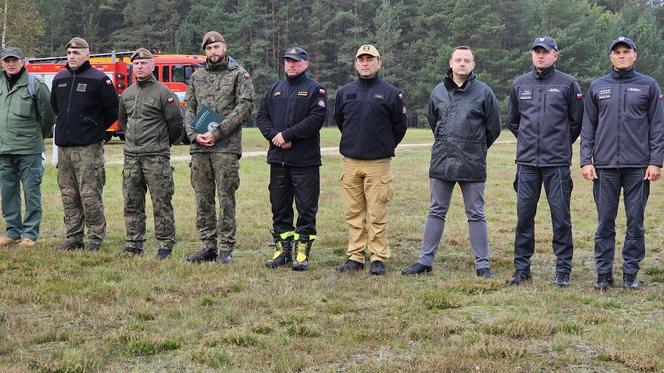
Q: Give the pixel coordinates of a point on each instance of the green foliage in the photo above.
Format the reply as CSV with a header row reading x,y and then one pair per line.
x,y
414,37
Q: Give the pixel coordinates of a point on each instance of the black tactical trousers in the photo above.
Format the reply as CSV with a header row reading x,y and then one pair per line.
x,y
303,185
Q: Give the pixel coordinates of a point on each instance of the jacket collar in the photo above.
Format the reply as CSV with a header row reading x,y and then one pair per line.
x,y
294,80
86,65
623,74
226,63
450,84
370,81
13,81
149,81
544,74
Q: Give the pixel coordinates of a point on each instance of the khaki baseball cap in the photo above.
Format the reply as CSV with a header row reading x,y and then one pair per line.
x,y
367,49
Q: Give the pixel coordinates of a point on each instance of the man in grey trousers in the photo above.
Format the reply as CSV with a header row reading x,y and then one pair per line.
x,y
465,118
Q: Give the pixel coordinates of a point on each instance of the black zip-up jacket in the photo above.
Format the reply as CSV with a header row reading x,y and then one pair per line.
x,y
296,107
85,103
465,122
371,116
545,112
623,122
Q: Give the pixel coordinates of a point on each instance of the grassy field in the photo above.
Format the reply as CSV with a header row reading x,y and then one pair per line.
x,y
81,312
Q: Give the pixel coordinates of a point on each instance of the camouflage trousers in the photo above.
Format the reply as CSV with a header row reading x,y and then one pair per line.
x,y
81,179
215,173
140,174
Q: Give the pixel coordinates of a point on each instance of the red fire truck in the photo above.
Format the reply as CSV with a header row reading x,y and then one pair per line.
x,y
173,70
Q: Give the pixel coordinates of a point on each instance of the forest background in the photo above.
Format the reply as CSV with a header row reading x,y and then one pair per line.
x,y
415,37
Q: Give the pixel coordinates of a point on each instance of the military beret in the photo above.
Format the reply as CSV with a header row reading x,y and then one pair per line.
x,y
11,52
77,43
141,54
212,37
296,53
623,40
367,49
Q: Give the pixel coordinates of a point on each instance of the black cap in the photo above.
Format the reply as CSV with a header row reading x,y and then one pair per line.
x,y
296,53
622,40
545,42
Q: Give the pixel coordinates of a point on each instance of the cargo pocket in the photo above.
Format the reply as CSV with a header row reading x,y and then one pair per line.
x,y
386,190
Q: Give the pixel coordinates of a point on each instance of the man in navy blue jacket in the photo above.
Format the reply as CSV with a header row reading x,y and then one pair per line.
x,y
292,113
371,116
544,114
622,147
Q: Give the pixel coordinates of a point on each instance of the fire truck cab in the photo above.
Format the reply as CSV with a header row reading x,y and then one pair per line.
x,y
173,70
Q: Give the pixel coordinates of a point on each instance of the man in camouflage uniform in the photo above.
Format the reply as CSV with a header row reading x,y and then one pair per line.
x,y
225,87
151,120
86,104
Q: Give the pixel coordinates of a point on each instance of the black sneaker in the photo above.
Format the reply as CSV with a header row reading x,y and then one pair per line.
x,y
630,281
377,268
301,255
519,277
604,281
133,250
416,269
70,246
350,266
282,254
204,255
484,273
163,253
561,279
225,257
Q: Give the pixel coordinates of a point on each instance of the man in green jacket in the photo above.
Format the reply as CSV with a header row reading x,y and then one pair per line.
x,y
225,87
26,118
149,114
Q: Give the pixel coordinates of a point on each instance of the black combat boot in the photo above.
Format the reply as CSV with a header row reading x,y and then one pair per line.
x,y
630,281
133,250
70,246
164,253
225,257
204,255
604,281
301,255
282,253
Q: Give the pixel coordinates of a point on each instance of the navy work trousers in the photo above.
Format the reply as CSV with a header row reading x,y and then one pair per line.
x,y
606,190
303,185
558,187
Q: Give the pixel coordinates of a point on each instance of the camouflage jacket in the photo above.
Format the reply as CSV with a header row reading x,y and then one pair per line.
x,y
150,116
227,89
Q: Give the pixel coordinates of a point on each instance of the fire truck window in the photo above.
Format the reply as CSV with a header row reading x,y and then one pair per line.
x,y
188,70
155,72
178,74
166,74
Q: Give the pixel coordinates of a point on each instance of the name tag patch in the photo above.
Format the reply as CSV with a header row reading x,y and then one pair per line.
x,y
526,94
553,90
81,87
604,93
379,96
61,85
302,93
278,93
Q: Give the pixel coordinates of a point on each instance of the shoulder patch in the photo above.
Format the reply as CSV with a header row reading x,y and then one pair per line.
x,y
246,75
579,96
171,100
109,82
321,91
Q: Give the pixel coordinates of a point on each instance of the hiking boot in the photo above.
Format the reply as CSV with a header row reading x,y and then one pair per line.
x,y
7,241
132,251
282,254
561,279
70,246
225,257
95,246
484,273
520,277
377,268
26,242
203,255
350,266
604,281
163,253
630,281
416,269
301,255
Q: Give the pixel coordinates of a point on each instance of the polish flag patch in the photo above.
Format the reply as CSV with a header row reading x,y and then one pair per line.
x,y
109,82
171,100
579,96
